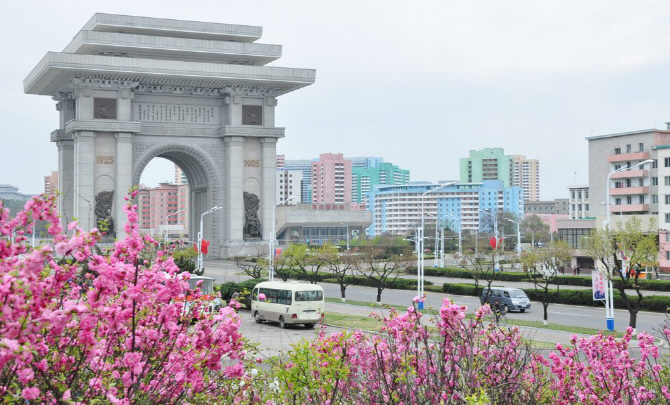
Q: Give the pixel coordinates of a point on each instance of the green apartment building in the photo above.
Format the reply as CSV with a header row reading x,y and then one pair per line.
x,y
488,164
364,180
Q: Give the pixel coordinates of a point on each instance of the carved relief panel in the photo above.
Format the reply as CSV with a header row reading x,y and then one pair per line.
x,y
104,108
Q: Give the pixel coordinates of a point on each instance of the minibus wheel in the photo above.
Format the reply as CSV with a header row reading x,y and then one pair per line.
x,y
257,317
282,323
309,325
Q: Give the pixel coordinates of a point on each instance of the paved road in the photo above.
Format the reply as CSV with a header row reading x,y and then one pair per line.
x,y
591,317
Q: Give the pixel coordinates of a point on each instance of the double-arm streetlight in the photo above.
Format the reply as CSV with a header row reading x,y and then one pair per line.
x,y
167,237
609,296
420,260
271,259
200,266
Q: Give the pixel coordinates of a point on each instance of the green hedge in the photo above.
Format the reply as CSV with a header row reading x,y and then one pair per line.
x,y
655,303
453,272
582,281
244,288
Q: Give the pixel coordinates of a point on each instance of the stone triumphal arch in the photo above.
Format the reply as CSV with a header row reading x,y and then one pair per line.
x,y
129,89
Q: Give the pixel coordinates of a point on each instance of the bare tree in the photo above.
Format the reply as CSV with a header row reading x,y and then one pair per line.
x,y
636,248
542,267
381,269
483,265
256,266
342,267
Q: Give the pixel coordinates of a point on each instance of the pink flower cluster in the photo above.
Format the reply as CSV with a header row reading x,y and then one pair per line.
x,y
78,324
455,360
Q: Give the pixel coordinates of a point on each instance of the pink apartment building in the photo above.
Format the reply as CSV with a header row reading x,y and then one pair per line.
x,y
155,204
331,179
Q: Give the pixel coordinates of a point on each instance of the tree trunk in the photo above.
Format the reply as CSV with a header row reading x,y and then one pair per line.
x,y
342,290
379,296
545,306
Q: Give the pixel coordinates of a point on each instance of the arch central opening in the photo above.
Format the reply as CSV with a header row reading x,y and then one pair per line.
x,y
173,193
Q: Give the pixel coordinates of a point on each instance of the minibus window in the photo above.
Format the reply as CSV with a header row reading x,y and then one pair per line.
x,y
309,296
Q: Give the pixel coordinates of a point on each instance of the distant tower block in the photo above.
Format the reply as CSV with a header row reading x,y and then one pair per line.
x,y
129,89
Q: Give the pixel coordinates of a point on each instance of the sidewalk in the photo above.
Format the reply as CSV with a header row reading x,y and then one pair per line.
x,y
535,334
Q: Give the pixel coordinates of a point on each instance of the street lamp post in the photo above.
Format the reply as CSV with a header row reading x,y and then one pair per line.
x,y
166,225
460,237
518,236
341,223
496,264
420,273
609,296
200,266
271,259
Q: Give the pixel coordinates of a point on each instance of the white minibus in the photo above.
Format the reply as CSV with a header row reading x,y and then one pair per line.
x,y
287,302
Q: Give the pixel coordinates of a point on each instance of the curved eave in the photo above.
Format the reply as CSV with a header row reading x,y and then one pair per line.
x,y
54,71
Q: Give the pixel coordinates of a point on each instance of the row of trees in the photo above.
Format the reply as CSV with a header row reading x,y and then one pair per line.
x,y
381,261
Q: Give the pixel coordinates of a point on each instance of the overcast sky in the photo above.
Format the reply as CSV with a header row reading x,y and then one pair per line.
x,y
418,83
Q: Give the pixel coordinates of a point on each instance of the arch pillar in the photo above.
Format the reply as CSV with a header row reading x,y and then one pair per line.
x,y
234,214
269,178
124,178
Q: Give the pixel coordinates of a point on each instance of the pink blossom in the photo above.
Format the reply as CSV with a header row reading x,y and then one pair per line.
x,y
30,393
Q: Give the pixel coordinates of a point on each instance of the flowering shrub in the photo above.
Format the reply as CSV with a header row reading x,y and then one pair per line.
x,y
467,361
78,325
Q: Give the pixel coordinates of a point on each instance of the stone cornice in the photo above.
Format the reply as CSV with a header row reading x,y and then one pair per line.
x,y
251,131
54,71
60,135
103,126
122,44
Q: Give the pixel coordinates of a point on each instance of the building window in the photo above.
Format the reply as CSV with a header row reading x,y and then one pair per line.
x,y
617,201
654,181
617,167
667,237
654,198
667,162
641,199
667,218
654,164
628,148
641,146
587,207
617,151
586,194
667,180
667,199
573,194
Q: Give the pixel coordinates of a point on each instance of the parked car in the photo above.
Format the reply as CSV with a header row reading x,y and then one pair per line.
x,y
510,299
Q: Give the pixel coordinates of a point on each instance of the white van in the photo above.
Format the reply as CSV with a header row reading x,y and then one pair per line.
x,y
288,303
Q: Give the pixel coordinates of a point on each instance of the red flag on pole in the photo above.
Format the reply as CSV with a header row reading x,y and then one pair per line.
x,y
492,242
195,246
204,246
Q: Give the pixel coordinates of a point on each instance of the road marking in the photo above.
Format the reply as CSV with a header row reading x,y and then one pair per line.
x,y
569,313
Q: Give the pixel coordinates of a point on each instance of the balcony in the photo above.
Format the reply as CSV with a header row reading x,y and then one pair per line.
x,y
628,174
627,157
615,209
629,191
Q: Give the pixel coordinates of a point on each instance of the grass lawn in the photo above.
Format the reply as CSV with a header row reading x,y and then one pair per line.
x,y
515,322
352,322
